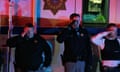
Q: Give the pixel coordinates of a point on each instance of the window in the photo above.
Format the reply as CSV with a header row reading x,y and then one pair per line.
x,y
95,12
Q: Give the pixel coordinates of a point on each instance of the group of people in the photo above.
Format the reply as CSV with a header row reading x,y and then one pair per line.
x,y
77,55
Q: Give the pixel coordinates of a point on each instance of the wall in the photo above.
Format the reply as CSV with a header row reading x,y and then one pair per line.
x,y
114,13
24,10
48,19
27,10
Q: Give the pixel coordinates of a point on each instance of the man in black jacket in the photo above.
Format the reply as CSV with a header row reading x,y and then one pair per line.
x,y
29,49
77,56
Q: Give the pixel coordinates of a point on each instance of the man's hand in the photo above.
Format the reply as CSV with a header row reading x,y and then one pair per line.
x,y
23,34
106,33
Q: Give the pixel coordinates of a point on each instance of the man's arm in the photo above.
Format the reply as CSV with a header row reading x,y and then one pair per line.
x,y
48,54
99,39
118,39
63,35
89,55
11,42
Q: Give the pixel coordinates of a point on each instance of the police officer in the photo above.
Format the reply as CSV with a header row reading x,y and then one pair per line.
x,y
77,56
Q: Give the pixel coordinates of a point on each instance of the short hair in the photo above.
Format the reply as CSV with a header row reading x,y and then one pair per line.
x,y
28,25
111,25
74,15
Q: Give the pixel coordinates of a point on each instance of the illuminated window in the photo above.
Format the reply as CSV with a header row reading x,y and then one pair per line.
x,y
95,12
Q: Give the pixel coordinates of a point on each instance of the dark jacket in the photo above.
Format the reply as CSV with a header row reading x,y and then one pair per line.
x,y
28,52
77,45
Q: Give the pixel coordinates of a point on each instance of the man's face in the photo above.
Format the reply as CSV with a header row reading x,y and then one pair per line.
x,y
113,31
77,22
29,31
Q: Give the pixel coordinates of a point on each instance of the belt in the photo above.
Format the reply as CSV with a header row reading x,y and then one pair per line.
x,y
79,58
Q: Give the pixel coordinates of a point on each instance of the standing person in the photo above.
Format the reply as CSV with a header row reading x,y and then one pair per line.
x,y
77,53
29,49
109,43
